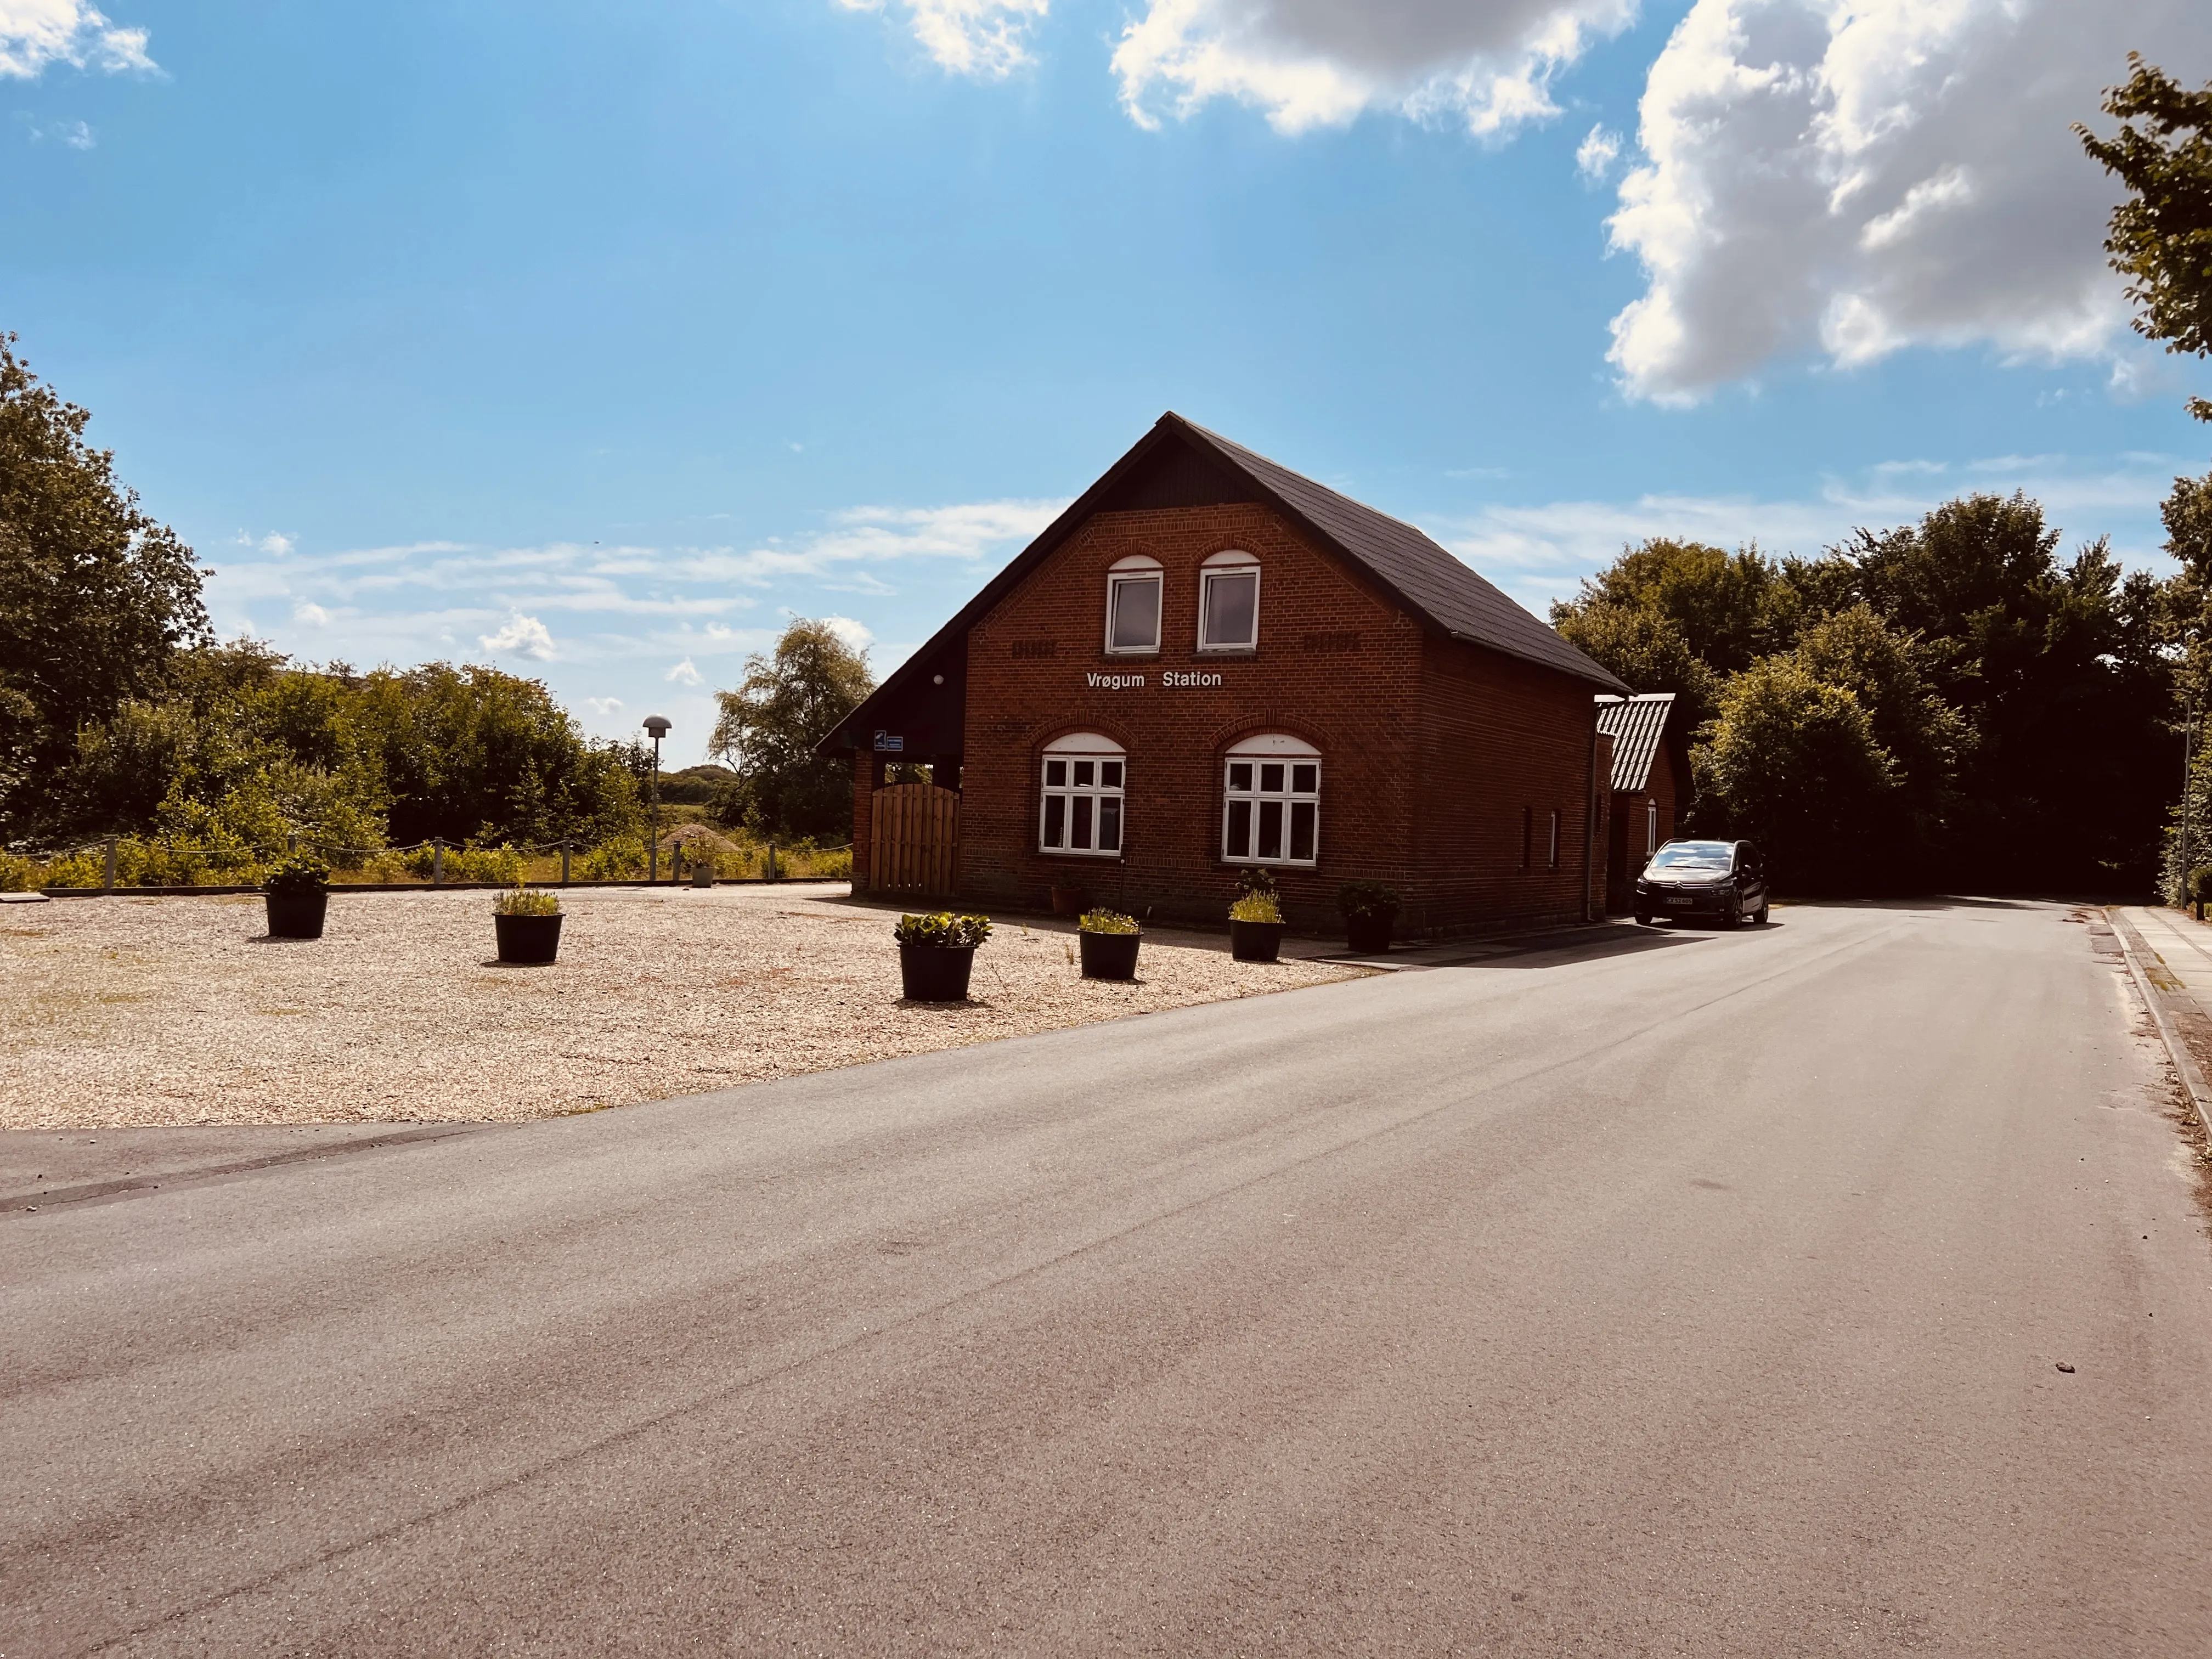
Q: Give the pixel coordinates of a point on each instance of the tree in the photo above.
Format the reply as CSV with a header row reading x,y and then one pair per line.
x,y
1646,649
1923,736
2160,238
1729,608
1792,763
768,728
95,597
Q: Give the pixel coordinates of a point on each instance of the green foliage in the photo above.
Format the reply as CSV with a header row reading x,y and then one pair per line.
x,y
520,900
2160,238
2200,884
1255,905
1792,763
17,874
1645,648
501,864
2016,699
1368,898
301,872
246,749
1256,878
622,858
768,728
1107,921
95,597
943,929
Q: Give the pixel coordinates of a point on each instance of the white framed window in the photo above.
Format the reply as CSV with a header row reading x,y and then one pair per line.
x,y
1650,827
1133,605
1080,808
1229,603
1270,801
1552,857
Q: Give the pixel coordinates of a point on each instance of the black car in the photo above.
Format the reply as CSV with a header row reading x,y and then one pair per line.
x,y
1719,881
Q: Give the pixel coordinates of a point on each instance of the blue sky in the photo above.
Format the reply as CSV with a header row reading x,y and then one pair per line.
x,y
597,340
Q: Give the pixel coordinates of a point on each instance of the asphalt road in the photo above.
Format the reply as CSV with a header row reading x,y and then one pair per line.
x,y
1706,1298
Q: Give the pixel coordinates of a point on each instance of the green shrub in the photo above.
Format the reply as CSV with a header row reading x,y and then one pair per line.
x,y
301,872
77,870
1368,898
500,864
2200,882
520,900
1108,921
1257,878
17,874
1257,906
622,858
943,929
835,865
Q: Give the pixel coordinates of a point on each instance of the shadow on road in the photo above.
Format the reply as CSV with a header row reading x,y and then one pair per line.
x,y
1576,944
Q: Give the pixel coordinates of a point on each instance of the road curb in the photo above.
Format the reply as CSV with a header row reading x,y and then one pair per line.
x,y
2192,1079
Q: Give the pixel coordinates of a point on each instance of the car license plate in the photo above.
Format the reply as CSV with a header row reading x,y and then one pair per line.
x,y
1679,904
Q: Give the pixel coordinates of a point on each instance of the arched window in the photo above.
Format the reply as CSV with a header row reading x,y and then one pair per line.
x,y
1133,605
1229,603
1270,801
1080,811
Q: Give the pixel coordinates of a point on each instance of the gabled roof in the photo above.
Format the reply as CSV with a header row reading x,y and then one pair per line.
x,y
1427,582
1637,724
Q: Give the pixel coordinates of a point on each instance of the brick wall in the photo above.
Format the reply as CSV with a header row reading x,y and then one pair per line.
x,y
1430,748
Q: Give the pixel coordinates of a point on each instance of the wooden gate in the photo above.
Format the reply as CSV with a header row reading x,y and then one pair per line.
x,y
914,839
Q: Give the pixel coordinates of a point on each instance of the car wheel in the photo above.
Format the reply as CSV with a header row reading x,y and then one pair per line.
x,y
1642,918
1760,918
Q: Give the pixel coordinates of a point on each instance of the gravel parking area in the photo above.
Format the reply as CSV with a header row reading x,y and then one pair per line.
x,y
122,1011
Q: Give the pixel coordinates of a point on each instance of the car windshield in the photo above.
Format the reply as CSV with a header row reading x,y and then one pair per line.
x,y
1692,855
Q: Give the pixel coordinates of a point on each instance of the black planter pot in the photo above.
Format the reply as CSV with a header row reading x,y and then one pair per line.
x,y
1255,941
1368,935
296,915
936,972
528,940
1110,955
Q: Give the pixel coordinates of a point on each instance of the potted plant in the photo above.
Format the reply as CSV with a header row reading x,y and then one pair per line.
x,y
1370,909
1068,899
936,954
1256,919
297,890
528,923
1109,941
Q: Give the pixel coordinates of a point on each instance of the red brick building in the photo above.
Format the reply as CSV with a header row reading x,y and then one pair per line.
x,y
1209,662
1650,787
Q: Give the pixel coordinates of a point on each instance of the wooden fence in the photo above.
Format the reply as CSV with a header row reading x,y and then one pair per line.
x,y
913,841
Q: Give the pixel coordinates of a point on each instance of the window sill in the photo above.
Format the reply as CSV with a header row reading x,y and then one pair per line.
x,y
1077,853
1113,655
1217,652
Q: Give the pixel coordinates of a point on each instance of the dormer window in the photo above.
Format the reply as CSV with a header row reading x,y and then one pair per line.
x,y
1132,606
1229,603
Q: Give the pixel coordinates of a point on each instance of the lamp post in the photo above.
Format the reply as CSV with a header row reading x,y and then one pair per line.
x,y
2188,782
657,726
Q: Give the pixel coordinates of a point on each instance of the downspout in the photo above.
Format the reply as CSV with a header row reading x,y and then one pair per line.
x,y
1589,819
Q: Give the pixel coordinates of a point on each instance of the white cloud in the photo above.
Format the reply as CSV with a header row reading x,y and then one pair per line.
x,y
36,33
1856,176
987,38
604,706
1595,155
311,614
522,636
684,674
1488,64
857,636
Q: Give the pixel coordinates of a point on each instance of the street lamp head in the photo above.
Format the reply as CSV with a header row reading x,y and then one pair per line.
x,y
658,726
